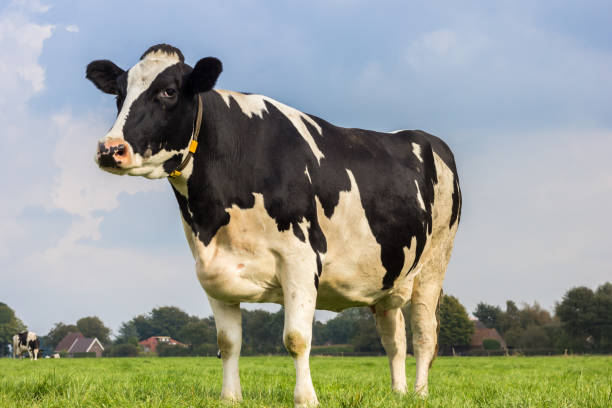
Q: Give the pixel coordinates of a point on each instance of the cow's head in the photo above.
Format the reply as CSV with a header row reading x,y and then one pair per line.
x,y
156,107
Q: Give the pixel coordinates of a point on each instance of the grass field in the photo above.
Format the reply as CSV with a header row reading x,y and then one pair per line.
x,y
340,382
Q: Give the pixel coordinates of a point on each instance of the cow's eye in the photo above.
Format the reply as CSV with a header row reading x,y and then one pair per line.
x,y
168,93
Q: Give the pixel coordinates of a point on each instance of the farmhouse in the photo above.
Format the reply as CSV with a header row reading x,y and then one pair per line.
x,y
151,343
481,333
77,343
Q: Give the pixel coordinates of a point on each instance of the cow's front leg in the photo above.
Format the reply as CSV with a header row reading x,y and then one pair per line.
x,y
300,297
229,338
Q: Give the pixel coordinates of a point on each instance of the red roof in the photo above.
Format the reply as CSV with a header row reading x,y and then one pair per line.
x,y
76,343
152,342
83,345
68,341
481,332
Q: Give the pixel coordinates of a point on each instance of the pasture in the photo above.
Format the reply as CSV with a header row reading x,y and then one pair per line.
x,y
339,381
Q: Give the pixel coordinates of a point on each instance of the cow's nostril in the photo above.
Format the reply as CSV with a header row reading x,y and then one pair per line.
x,y
121,150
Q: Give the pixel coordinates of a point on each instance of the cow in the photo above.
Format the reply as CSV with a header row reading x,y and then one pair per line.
x,y
26,341
281,206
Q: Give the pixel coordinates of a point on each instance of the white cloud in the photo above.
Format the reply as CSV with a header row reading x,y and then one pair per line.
x,y
21,43
72,28
33,6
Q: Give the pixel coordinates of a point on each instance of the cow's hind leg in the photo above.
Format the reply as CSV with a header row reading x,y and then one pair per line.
x,y
424,321
299,300
229,338
391,328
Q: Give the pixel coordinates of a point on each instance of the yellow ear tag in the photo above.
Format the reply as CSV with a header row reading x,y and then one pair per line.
x,y
175,173
193,146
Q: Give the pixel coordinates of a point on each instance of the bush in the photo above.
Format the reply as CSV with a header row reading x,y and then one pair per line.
x,y
334,350
123,350
205,349
169,350
84,355
491,344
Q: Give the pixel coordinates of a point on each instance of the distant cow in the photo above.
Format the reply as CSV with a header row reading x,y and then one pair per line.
x,y
26,341
281,206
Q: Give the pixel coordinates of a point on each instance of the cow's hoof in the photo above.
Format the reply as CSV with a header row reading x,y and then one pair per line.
x,y
399,389
306,402
421,391
231,397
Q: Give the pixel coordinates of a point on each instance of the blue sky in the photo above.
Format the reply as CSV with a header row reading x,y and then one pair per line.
x,y
521,91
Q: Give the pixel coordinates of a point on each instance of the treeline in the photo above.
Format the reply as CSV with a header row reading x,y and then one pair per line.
x,y
582,322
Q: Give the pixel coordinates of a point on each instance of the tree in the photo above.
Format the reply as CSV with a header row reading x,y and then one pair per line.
x,y
578,314
127,333
509,319
533,316
342,328
366,337
456,329
533,337
198,332
92,326
168,321
144,327
262,331
602,327
10,325
58,332
489,315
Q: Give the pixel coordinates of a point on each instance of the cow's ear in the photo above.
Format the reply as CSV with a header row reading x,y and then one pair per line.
x,y
205,74
104,74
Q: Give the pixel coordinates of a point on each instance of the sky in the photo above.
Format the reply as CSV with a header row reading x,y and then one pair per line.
x,y
520,90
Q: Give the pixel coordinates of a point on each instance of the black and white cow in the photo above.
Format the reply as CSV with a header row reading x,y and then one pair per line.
x,y
26,341
281,206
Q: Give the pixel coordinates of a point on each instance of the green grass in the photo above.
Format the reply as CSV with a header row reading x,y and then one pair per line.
x,y
340,382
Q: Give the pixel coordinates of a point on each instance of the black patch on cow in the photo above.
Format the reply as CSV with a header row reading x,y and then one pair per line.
x,y
172,163
23,338
239,156
166,49
104,74
205,74
34,344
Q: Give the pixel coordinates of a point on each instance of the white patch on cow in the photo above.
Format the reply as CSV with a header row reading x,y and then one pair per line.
x,y
256,105
180,183
416,149
399,130
419,197
140,78
308,175
249,104
352,271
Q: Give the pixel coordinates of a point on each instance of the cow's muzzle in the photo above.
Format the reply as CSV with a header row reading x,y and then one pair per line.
x,y
114,153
